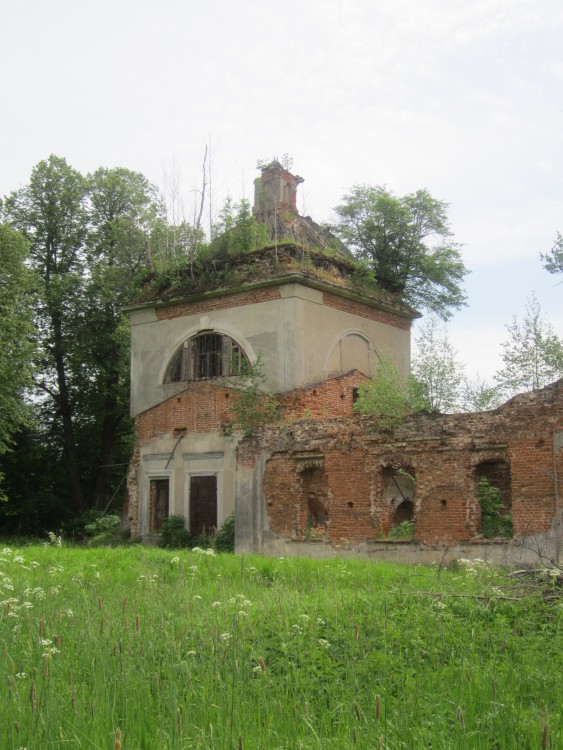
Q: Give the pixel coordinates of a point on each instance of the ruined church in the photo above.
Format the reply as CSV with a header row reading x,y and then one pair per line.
x,y
321,480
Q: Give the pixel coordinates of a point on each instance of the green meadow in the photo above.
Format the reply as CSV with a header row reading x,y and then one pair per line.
x,y
137,648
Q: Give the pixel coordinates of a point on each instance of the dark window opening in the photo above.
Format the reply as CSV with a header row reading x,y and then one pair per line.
x,y
158,503
207,355
203,504
404,512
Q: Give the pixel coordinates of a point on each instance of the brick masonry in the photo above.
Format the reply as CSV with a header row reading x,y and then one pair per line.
x,y
445,454
251,297
321,454
365,311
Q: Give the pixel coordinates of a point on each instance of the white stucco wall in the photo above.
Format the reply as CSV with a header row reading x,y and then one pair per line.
x,y
300,342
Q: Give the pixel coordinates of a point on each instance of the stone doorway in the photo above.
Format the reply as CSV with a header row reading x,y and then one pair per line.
x,y
159,503
203,504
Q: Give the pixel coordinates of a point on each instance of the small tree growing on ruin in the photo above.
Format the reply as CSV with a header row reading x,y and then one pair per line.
x,y
532,353
388,397
436,366
252,406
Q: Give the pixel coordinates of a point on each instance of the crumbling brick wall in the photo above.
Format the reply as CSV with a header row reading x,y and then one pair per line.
x,y
446,455
201,407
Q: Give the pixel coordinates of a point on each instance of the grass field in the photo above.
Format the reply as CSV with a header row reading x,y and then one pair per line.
x,y
145,649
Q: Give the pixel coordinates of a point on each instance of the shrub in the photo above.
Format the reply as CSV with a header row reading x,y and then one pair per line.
x,y
103,530
403,530
388,397
173,533
251,407
225,537
93,527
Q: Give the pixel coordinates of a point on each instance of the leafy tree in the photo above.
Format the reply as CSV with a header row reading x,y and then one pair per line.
x,y
387,396
553,260
122,209
406,244
532,354
237,231
437,368
16,334
89,238
478,395
51,213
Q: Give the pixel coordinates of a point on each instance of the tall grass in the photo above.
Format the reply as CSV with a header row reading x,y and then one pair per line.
x,y
146,649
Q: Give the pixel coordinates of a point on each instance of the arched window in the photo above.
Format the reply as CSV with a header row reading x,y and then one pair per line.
x,y
206,355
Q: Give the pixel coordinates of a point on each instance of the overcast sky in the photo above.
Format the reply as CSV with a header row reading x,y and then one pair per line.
x,y
463,99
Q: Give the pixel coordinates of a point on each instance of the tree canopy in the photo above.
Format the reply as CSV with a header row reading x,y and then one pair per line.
x,y
436,366
87,238
406,243
16,333
553,260
532,354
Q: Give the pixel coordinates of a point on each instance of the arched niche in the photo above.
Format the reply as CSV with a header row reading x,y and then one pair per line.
x,y
352,351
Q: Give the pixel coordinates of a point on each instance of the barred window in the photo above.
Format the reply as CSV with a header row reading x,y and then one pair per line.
x,y
207,355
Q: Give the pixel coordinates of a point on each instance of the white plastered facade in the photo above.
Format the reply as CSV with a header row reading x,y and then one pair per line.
x,y
300,341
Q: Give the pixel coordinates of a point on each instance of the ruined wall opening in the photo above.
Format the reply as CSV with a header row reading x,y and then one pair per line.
x,y
495,499
497,474
398,494
159,503
315,500
203,504
404,512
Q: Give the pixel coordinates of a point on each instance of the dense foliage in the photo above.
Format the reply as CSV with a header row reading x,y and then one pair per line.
x,y
16,334
496,520
88,239
532,354
388,397
406,243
